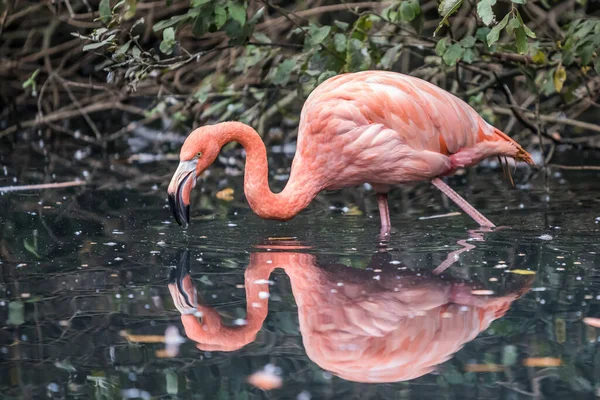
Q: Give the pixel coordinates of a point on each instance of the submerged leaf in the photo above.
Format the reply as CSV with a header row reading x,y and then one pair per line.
x,y
16,313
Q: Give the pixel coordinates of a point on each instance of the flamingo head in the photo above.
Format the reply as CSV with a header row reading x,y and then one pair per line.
x,y
198,152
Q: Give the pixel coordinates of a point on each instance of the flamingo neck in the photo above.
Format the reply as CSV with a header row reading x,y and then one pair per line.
x,y
299,191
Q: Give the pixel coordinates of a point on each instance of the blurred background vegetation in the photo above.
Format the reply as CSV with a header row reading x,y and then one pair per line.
x,y
104,71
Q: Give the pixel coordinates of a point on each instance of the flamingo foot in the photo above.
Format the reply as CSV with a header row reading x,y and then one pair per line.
x,y
462,203
384,215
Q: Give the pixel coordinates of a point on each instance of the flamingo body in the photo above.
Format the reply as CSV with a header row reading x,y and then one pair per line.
x,y
387,128
377,127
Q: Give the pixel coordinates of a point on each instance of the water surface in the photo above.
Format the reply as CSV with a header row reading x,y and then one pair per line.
x,y
93,277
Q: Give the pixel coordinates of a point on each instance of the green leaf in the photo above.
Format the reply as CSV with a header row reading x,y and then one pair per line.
x,y
586,53
317,35
446,9
453,54
519,1
283,72
168,42
169,34
357,56
416,7
597,65
198,3
391,56
105,12
342,25
31,247
166,47
441,46
159,26
201,25
469,55
528,31
407,13
339,42
513,24
261,37
521,40
31,80
220,16
468,41
485,12
237,12
122,50
325,75
92,46
131,9
494,34
257,16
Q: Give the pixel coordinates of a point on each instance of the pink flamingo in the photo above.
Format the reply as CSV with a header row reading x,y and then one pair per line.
x,y
395,328
383,128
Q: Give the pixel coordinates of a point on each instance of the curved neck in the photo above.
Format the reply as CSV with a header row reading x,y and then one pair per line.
x,y
301,188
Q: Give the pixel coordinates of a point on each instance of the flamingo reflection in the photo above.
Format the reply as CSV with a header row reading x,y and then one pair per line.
x,y
379,324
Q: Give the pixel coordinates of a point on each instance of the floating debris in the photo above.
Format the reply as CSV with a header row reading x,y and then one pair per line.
x,y
135,394
266,379
225,194
482,292
545,237
542,362
452,214
484,368
521,271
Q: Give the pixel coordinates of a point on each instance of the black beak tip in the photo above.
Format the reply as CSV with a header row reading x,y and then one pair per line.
x,y
186,216
183,267
174,208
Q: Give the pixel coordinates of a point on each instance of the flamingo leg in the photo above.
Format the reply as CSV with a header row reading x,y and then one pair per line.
x,y
462,203
384,214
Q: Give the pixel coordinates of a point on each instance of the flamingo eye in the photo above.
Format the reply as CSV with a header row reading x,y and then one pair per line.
x,y
199,154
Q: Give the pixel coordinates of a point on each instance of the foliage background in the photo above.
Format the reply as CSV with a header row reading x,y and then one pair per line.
x,y
101,71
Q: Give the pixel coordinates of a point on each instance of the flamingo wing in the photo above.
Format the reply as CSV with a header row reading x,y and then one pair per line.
x,y
393,127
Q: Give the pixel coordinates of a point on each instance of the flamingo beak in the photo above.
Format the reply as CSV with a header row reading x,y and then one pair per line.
x,y
180,190
181,287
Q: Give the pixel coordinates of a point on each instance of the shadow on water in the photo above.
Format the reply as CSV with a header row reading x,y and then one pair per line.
x,y
94,305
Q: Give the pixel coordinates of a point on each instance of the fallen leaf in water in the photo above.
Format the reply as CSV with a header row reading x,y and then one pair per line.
x,y
225,194
484,368
595,322
143,338
266,379
542,362
353,210
521,272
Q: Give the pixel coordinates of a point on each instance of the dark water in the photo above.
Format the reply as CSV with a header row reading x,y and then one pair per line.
x,y
94,278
